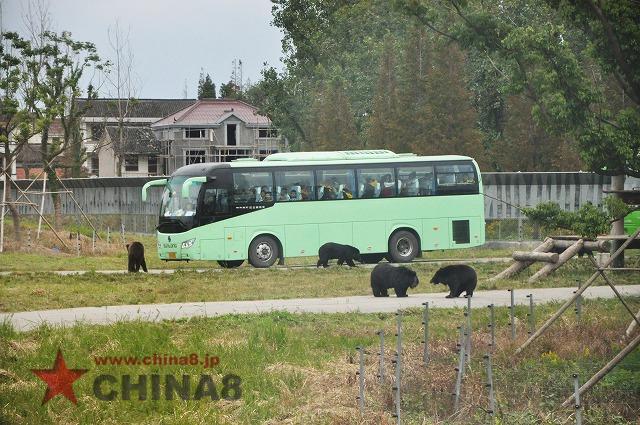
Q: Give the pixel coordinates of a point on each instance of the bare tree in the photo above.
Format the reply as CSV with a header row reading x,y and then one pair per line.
x,y
122,85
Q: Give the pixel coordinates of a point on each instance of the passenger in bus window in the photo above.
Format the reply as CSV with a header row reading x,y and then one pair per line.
x,y
346,193
284,195
304,193
370,188
387,186
410,185
328,192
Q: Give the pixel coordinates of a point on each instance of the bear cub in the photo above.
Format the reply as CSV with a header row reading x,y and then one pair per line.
x,y
344,253
136,257
385,276
459,278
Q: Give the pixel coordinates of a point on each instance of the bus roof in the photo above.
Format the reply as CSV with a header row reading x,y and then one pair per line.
x,y
374,156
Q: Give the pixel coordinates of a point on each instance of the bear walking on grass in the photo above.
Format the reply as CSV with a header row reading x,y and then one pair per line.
x,y
459,278
136,257
344,253
386,276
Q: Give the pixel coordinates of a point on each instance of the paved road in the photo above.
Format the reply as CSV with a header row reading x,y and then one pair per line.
x,y
25,321
171,271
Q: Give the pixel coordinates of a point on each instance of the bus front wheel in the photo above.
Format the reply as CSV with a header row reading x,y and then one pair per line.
x,y
263,252
230,264
403,247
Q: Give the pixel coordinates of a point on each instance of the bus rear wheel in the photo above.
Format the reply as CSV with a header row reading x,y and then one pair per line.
x,y
263,252
371,258
230,264
403,247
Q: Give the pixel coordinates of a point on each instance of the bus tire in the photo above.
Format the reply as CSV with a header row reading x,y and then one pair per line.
x,y
403,246
371,258
263,251
230,264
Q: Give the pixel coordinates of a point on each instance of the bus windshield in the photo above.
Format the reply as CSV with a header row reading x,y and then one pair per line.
x,y
173,204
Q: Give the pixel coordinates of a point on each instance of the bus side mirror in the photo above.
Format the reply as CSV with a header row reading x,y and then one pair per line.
x,y
186,186
160,182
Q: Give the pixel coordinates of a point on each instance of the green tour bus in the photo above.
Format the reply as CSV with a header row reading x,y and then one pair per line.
x,y
385,204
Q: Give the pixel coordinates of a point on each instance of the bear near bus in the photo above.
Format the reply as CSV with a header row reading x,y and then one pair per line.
x,y
400,278
343,253
459,278
136,257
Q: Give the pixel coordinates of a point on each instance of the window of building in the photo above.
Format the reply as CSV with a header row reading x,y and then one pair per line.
x,y
335,184
95,164
267,132
294,185
252,187
194,133
376,183
416,181
131,162
194,156
152,167
96,131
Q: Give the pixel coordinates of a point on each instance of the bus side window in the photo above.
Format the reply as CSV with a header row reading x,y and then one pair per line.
x,y
252,187
295,185
376,183
335,184
416,180
457,179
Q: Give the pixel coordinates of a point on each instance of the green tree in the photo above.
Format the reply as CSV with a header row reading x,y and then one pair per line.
x,y
333,127
16,123
230,90
53,70
386,125
206,87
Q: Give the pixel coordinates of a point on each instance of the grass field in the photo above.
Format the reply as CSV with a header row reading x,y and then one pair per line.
x,y
41,291
300,369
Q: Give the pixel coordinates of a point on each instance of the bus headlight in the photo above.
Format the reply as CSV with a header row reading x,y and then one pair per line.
x,y
188,244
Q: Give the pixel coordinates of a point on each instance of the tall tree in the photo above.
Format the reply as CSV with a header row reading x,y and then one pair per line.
x,y
386,124
333,127
206,87
122,86
54,70
16,123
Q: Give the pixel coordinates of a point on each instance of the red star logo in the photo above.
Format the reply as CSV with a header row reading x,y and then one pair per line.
x,y
59,379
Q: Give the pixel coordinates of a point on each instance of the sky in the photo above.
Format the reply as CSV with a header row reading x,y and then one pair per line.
x,y
171,41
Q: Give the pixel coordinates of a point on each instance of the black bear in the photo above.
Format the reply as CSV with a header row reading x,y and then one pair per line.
x,y
136,257
386,276
344,253
458,277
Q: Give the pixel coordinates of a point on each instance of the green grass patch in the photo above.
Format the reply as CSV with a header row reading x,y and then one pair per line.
x,y
301,369
40,291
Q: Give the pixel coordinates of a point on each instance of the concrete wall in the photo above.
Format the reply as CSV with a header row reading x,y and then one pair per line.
x,y
122,195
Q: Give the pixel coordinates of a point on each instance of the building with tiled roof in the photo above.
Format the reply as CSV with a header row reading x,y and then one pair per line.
x,y
215,130
102,113
138,149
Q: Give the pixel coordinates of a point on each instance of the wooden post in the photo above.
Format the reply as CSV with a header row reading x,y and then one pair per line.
x,y
579,292
547,257
4,203
44,194
599,246
518,266
606,369
563,258
617,228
